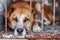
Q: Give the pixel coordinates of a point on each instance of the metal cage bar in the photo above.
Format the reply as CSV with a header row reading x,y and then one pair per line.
x,y
53,15
42,15
6,16
30,15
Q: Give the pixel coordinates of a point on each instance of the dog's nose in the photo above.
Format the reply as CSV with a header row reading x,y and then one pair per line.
x,y
19,30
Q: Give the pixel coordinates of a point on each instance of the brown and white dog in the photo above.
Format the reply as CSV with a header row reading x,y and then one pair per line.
x,y
21,18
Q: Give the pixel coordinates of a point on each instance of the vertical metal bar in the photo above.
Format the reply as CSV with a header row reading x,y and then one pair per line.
x,y
42,15
53,15
5,16
30,15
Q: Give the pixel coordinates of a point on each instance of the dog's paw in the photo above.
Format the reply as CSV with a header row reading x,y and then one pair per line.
x,y
36,28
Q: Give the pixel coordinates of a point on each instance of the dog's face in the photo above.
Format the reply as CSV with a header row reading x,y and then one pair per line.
x,y
19,16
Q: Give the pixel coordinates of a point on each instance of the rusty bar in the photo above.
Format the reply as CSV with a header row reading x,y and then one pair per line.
x,y
5,16
30,15
53,16
42,15
44,36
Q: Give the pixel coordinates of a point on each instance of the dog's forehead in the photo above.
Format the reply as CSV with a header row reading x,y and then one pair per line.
x,y
20,8
20,11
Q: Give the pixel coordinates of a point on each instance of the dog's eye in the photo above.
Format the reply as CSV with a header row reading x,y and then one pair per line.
x,y
15,19
26,19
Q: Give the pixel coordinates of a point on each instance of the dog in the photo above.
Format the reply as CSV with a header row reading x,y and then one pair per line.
x,y
20,18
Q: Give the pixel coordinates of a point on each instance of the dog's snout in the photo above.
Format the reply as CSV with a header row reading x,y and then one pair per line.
x,y
19,30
